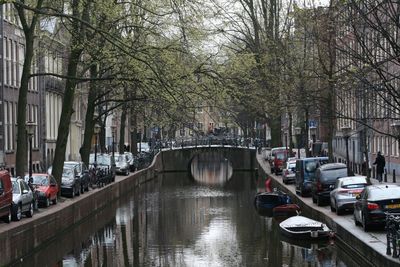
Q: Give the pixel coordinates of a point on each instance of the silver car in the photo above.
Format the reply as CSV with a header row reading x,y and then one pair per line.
x,y
289,172
121,164
344,195
23,202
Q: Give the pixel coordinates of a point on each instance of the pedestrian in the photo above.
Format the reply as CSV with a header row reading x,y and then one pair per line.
x,y
380,166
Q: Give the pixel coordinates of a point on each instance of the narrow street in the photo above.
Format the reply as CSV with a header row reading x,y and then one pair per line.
x,y
376,239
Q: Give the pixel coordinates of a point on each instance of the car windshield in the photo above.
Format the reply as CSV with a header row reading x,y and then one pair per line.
x,y
119,158
101,159
292,165
354,186
15,187
39,180
280,156
332,174
68,173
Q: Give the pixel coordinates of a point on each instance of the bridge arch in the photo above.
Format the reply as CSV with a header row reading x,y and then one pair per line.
x,y
179,160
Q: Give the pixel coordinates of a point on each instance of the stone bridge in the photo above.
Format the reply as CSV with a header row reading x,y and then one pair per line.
x,y
177,160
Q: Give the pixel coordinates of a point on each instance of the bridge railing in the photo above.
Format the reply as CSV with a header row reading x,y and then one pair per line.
x,y
236,142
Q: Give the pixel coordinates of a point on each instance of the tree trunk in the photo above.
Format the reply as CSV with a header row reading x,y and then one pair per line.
x,y
20,157
76,47
122,128
66,113
29,32
89,118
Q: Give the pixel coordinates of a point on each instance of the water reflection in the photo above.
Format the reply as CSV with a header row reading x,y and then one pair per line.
x,y
174,221
211,168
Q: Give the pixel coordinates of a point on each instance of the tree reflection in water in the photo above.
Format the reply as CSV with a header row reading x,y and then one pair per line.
x,y
175,221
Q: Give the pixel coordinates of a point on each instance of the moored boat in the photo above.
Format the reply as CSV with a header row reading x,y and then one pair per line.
x,y
287,210
265,202
304,228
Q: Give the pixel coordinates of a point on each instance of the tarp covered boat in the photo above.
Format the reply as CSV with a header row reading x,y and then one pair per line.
x,y
304,228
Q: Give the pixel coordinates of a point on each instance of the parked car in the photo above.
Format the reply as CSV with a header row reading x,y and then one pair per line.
x,y
305,173
121,164
46,186
325,180
343,196
279,161
289,172
70,182
5,196
82,171
131,161
373,202
23,200
270,157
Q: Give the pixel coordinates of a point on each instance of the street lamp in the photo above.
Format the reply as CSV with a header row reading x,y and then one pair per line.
x,y
30,130
346,132
113,129
313,133
132,130
297,133
97,129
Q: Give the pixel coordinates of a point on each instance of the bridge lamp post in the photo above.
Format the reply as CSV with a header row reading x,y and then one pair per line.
x,y
30,130
346,132
297,133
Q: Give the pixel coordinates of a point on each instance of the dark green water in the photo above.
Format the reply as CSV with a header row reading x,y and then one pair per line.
x,y
176,220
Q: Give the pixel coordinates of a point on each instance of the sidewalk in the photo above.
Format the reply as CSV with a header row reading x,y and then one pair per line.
x,y
369,245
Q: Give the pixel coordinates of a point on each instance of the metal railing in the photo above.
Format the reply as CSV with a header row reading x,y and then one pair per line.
x,y
393,234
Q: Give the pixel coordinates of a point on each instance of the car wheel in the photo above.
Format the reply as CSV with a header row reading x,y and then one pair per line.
x,y
332,208
366,227
338,211
314,200
55,200
47,204
7,218
356,222
319,201
127,173
73,193
17,213
29,213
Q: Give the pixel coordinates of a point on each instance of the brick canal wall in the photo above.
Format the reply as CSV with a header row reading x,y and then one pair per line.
x,y
20,239
345,239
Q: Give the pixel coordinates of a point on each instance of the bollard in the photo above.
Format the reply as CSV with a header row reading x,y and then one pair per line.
x,y
394,175
385,176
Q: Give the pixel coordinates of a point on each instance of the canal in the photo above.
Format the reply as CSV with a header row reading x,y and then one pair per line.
x,y
181,220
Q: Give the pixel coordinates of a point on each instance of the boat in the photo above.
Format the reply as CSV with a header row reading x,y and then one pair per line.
x,y
265,202
304,228
287,210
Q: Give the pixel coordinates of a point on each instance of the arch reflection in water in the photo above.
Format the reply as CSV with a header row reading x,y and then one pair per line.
x,y
211,168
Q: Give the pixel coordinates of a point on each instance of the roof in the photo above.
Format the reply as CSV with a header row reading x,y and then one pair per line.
x,y
332,166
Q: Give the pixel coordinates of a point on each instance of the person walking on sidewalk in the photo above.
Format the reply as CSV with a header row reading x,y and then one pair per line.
x,y
380,166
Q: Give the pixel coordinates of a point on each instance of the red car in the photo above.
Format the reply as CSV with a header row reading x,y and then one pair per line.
x,y
279,160
5,196
46,187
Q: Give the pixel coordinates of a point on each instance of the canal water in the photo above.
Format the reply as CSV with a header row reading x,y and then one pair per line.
x,y
181,220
